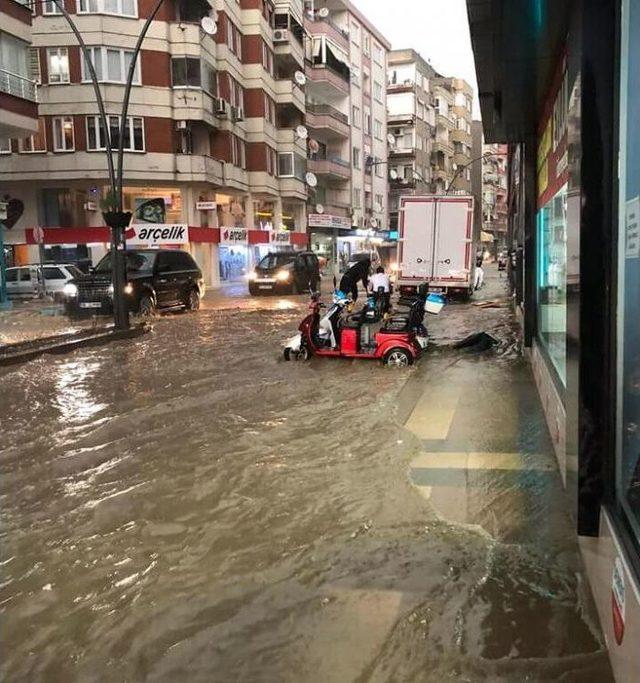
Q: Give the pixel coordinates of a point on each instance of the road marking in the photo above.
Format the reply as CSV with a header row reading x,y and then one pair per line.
x,y
433,414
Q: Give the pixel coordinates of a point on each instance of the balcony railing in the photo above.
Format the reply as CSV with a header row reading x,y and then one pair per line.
x,y
327,110
18,86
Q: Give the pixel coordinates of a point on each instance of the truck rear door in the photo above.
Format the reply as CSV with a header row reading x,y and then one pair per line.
x,y
453,239
416,239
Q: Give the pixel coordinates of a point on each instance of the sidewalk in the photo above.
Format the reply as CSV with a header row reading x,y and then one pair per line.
x,y
484,459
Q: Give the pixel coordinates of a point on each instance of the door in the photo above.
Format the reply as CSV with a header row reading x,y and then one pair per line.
x,y
27,283
165,280
186,274
416,239
453,239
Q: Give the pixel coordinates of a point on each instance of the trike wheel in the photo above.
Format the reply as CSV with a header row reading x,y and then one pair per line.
x,y
301,355
398,358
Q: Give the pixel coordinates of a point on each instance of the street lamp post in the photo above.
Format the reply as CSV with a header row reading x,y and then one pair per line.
x,y
114,215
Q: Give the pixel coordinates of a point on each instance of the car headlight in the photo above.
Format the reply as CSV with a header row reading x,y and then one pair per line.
x,y
283,276
110,290
70,289
128,289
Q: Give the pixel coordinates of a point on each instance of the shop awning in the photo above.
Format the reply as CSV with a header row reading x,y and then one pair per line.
x,y
516,44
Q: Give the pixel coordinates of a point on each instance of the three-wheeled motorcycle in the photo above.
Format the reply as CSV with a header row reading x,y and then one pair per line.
x,y
398,342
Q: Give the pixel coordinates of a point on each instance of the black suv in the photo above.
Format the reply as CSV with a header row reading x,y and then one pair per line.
x,y
286,272
156,279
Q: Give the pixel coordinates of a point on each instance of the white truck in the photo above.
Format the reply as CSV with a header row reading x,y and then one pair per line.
x,y
436,244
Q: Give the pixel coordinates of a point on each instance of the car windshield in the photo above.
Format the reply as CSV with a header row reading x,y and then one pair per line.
x,y
137,262
275,261
74,271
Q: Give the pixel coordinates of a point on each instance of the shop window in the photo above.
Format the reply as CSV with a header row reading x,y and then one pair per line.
x,y
552,281
628,441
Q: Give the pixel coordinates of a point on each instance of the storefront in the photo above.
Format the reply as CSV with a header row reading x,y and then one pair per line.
x,y
575,223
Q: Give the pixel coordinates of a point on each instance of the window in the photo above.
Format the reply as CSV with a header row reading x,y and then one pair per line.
x,y
285,165
379,169
134,133
378,54
355,117
377,91
58,64
379,203
355,34
238,152
125,8
377,129
628,434
367,121
272,161
63,134
234,39
35,143
111,65
552,280
49,7
14,55
356,157
267,58
366,45
269,109
185,72
357,198
237,93
5,145
52,273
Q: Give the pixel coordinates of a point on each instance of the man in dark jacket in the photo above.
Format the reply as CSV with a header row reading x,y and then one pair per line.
x,y
358,272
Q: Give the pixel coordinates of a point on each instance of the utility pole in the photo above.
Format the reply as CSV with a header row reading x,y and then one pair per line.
x,y
5,304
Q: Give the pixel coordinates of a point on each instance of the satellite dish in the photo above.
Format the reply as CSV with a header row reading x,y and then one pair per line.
x,y
209,26
319,209
391,140
393,174
314,146
374,222
302,132
300,78
323,12
311,179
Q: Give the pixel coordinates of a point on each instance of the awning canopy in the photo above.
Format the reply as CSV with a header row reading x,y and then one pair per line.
x,y
516,44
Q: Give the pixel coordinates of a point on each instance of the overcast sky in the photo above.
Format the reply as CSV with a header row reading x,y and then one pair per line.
x,y
437,29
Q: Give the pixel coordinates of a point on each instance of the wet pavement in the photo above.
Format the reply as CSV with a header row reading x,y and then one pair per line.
x,y
188,506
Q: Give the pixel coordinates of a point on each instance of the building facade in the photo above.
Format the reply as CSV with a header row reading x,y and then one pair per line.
x,y
213,137
494,196
559,84
429,117
347,122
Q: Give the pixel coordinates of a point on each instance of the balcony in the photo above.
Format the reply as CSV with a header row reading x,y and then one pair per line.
x,y
288,92
459,135
326,27
331,167
18,86
199,168
398,152
401,87
328,121
401,119
327,82
443,121
442,147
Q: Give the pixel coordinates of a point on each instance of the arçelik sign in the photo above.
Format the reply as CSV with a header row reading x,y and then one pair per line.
x,y
234,236
153,234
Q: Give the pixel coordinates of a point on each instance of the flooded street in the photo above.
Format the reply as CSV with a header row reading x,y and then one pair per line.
x,y
188,506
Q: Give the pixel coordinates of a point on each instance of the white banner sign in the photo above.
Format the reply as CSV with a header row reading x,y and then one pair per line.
x,y
281,237
206,206
234,236
324,220
156,234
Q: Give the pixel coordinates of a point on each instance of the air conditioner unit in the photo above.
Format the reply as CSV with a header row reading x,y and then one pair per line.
x,y
181,125
237,113
281,35
222,107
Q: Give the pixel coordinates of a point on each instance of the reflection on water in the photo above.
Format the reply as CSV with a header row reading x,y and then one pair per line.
x,y
71,394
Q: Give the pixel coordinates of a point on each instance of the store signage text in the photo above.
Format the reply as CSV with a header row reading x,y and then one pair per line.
x,y
155,234
280,237
234,236
206,206
618,601
321,220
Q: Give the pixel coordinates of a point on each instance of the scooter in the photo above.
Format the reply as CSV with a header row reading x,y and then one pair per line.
x,y
398,343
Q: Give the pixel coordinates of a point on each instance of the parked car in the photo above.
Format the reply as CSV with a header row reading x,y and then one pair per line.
x,y
25,281
285,272
157,279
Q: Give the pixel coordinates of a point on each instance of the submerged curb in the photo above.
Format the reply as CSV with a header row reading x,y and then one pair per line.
x,y
22,352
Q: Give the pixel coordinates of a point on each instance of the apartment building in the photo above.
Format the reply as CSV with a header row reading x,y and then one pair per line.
x,y
411,118
346,117
495,208
214,136
429,120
